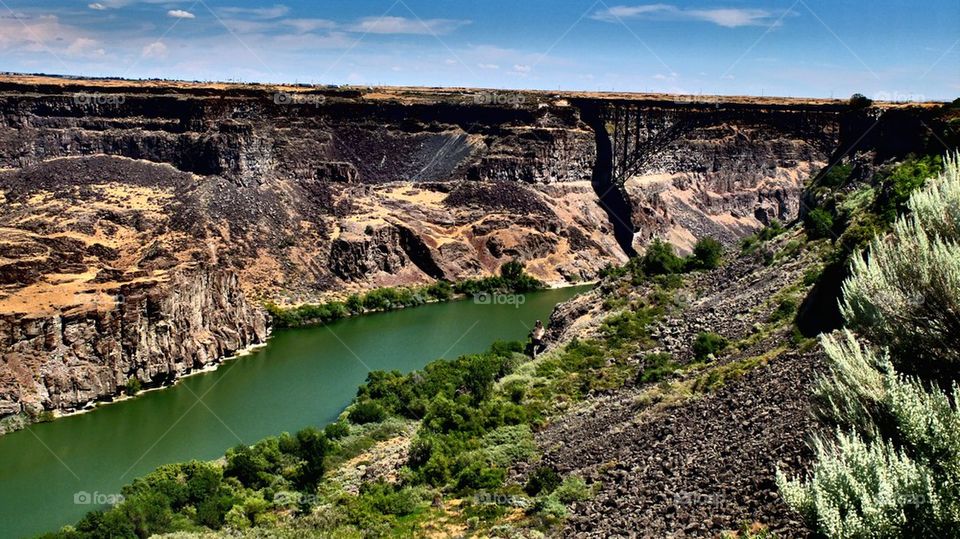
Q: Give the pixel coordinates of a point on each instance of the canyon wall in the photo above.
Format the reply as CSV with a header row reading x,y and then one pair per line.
x,y
195,203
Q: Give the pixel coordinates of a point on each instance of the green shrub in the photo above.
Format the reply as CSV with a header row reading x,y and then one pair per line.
x,y
387,499
774,229
660,258
893,467
785,310
508,445
542,481
656,367
312,448
355,304
549,507
478,475
819,223
835,176
812,275
248,466
905,291
898,183
707,344
440,291
573,489
366,411
336,430
132,386
707,253
611,271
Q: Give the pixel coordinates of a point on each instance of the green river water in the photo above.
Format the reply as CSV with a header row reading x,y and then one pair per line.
x,y
53,473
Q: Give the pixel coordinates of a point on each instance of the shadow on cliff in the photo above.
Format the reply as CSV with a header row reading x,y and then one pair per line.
x,y
612,197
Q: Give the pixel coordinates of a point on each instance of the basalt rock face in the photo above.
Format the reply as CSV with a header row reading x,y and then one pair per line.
x,y
154,331
689,170
206,197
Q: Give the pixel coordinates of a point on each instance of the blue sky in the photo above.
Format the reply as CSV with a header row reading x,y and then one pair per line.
x,y
818,48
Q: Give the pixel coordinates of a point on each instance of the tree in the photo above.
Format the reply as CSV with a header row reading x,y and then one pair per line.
x,y
819,223
860,101
660,259
313,447
707,253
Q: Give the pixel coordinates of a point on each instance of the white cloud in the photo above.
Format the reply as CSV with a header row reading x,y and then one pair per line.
x,y
726,17
36,34
97,6
521,68
732,18
309,25
155,50
668,76
488,66
84,46
274,12
615,13
180,14
403,25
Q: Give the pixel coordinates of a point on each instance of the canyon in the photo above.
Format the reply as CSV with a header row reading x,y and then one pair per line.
x,y
143,224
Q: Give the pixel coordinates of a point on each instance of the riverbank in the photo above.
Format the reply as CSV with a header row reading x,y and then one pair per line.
x,y
509,286
304,376
513,280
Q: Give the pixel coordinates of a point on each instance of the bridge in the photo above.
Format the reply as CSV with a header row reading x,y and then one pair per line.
x,y
636,133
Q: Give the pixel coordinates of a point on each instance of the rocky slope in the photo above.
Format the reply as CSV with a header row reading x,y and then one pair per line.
x,y
696,457
195,202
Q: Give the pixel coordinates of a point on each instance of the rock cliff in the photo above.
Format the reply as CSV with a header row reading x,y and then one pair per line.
x,y
195,202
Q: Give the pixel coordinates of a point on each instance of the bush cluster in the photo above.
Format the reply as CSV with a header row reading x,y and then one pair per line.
x,y
892,468
512,279
661,259
708,344
196,495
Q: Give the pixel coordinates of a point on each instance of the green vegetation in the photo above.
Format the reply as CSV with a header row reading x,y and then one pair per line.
x,y
892,468
786,308
512,279
819,223
706,253
133,386
754,242
196,495
543,480
366,411
901,181
708,344
836,176
661,259
656,367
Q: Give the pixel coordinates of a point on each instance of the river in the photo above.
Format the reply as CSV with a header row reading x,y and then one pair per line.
x,y
51,474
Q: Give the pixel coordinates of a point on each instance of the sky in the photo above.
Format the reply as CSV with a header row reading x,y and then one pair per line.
x,y
894,50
